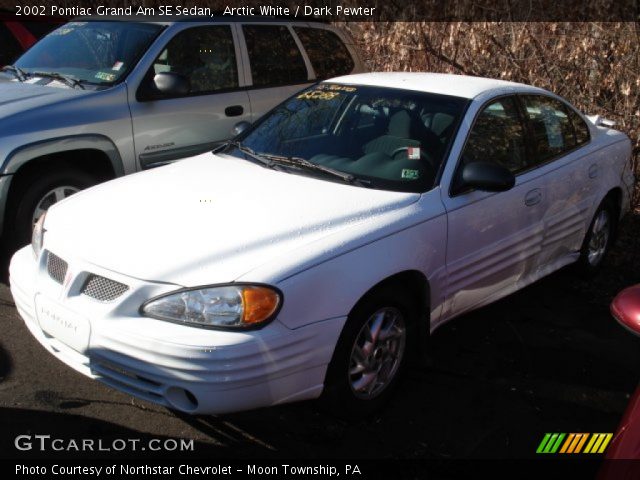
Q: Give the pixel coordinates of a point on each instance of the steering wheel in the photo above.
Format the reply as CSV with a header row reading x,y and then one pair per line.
x,y
423,154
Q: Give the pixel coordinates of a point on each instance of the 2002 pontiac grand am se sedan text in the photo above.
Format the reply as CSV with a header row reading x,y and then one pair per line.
x,y
310,256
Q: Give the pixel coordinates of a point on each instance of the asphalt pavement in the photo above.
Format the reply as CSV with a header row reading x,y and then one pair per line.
x,y
547,359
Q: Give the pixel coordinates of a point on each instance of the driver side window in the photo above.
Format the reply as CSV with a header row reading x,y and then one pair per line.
x,y
497,136
204,55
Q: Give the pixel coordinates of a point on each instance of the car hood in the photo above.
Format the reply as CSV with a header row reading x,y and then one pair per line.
x,y
208,219
18,97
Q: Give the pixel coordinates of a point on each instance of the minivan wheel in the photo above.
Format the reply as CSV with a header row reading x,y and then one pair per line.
x,y
371,354
49,198
598,239
40,191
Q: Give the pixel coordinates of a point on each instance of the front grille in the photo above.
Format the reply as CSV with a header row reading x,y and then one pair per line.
x,y
103,289
56,267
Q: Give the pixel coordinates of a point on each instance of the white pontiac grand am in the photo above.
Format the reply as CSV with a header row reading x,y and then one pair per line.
x,y
309,257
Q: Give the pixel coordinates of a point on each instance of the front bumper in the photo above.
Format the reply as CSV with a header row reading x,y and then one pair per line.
x,y
185,368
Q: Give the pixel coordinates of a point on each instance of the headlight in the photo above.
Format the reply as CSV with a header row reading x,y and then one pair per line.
x,y
37,236
235,306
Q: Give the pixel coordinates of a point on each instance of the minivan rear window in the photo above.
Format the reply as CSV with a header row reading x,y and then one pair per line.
x,y
328,55
274,56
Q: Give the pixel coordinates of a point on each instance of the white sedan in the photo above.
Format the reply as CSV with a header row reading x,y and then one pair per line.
x,y
314,254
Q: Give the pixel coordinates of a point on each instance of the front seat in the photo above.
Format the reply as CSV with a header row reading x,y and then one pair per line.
x,y
397,136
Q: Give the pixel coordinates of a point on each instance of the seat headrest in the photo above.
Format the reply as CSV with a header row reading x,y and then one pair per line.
x,y
400,124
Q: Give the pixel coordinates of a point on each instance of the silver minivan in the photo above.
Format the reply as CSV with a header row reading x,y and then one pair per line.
x,y
97,99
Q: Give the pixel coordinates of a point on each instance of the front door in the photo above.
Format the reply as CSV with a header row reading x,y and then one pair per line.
x,y
166,129
493,239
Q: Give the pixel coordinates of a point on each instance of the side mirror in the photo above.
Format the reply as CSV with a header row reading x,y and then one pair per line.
x,y
240,128
171,84
489,177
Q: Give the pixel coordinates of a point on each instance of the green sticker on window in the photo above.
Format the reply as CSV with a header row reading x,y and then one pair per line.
x,y
410,174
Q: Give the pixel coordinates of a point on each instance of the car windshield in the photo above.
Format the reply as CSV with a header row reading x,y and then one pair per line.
x,y
95,52
386,138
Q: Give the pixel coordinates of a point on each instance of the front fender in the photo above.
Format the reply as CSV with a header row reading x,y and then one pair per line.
x,y
23,154
20,156
332,288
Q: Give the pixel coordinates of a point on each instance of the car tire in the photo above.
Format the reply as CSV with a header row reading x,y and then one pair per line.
x,y
349,393
37,193
598,239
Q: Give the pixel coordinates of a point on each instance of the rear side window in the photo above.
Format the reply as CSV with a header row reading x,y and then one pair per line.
x,y
328,55
497,136
580,127
9,47
274,56
205,55
551,127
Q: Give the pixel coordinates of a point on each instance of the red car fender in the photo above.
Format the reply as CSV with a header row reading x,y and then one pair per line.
x,y
626,309
626,443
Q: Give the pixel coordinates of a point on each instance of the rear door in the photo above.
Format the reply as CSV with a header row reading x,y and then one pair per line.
x,y
494,239
558,135
276,68
169,128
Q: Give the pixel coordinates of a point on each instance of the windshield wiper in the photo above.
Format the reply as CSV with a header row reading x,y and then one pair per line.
x,y
272,161
17,71
306,164
68,79
247,151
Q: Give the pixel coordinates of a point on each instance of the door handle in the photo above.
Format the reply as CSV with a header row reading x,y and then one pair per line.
x,y
234,111
533,197
593,171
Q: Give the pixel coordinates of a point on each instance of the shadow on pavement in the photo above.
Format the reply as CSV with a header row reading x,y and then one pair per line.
x,y
5,364
548,358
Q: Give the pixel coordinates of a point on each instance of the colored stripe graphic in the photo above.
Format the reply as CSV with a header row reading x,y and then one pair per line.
x,y
591,442
581,443
550,443
598,443
543,443
574,443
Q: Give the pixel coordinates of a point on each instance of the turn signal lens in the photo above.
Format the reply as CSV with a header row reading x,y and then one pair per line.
x,y
259,303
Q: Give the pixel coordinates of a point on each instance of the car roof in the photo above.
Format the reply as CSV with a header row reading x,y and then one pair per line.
x,y
464,86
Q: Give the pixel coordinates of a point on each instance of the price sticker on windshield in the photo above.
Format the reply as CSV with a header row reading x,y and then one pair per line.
x,y
341,88
317,95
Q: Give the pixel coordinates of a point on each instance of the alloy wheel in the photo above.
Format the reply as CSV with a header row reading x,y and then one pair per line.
x,y
599,238
52,196
377,353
